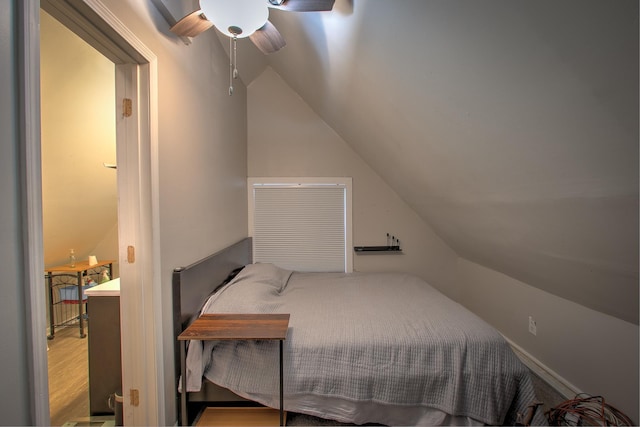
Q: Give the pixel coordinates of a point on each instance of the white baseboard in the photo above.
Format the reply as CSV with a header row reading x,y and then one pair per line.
x,y
557,382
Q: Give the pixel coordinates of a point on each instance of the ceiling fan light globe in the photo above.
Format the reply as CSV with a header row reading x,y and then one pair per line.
x,y
248,15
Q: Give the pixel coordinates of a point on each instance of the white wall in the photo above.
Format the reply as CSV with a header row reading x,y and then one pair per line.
x,y
287,139
79,195
595,352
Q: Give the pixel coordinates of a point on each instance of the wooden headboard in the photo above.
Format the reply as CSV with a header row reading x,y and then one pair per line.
x,y
192,284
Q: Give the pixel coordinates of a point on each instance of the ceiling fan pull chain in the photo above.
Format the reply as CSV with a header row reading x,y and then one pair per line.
x,y
230,67
235,57
233,62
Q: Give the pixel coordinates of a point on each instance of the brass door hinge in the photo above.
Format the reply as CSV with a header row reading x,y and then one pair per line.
x,y
134,397
127,107
131,254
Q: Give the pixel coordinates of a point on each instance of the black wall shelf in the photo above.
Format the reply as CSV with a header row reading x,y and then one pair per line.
x,y
378,249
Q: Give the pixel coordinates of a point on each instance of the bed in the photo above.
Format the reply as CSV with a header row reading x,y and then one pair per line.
x,y
361,348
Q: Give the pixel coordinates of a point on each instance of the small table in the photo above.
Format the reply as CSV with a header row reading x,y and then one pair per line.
x,y
78,269
233,327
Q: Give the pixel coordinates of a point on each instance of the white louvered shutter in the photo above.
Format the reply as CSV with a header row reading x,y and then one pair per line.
x,y
300,228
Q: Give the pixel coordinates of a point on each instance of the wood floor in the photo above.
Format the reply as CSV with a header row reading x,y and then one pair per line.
x,y
68,376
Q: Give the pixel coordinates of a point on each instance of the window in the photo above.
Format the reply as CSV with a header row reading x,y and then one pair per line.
x,y
301,224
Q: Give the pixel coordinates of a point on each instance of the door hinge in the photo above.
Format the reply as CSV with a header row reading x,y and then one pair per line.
x,y
131,254
127,107
134,397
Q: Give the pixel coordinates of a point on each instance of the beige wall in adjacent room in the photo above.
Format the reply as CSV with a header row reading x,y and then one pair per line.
x,y
78,135
287,139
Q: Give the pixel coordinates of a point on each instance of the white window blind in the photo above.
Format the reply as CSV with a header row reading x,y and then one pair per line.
x,y
301,228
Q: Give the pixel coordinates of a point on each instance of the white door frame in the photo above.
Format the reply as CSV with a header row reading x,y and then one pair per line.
x,y
137,141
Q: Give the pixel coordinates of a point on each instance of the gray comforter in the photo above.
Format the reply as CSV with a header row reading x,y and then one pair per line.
x,y
390,339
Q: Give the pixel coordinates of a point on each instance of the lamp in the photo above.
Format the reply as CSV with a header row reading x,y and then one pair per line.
x,y
235,19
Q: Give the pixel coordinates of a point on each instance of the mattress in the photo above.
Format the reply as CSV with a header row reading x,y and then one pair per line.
x,y
365,348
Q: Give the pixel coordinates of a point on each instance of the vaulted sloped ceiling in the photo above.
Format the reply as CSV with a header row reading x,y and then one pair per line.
x,y
510,126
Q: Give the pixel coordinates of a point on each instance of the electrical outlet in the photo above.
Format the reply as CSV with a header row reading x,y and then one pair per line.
x,y
532,326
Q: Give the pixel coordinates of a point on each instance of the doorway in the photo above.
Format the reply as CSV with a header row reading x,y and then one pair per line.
x,y
136,82
79,197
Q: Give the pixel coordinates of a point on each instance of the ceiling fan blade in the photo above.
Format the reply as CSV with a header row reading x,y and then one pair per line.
x,y
268,39
191,25
303,5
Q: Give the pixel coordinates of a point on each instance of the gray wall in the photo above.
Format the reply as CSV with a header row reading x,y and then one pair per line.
x,y
300,143
202,173
14,399
201,156
511,128
566,333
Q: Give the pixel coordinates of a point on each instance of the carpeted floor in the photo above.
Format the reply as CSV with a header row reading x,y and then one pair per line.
x,y
546,394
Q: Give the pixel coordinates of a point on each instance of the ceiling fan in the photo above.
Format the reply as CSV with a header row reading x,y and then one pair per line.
x,y
245,18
